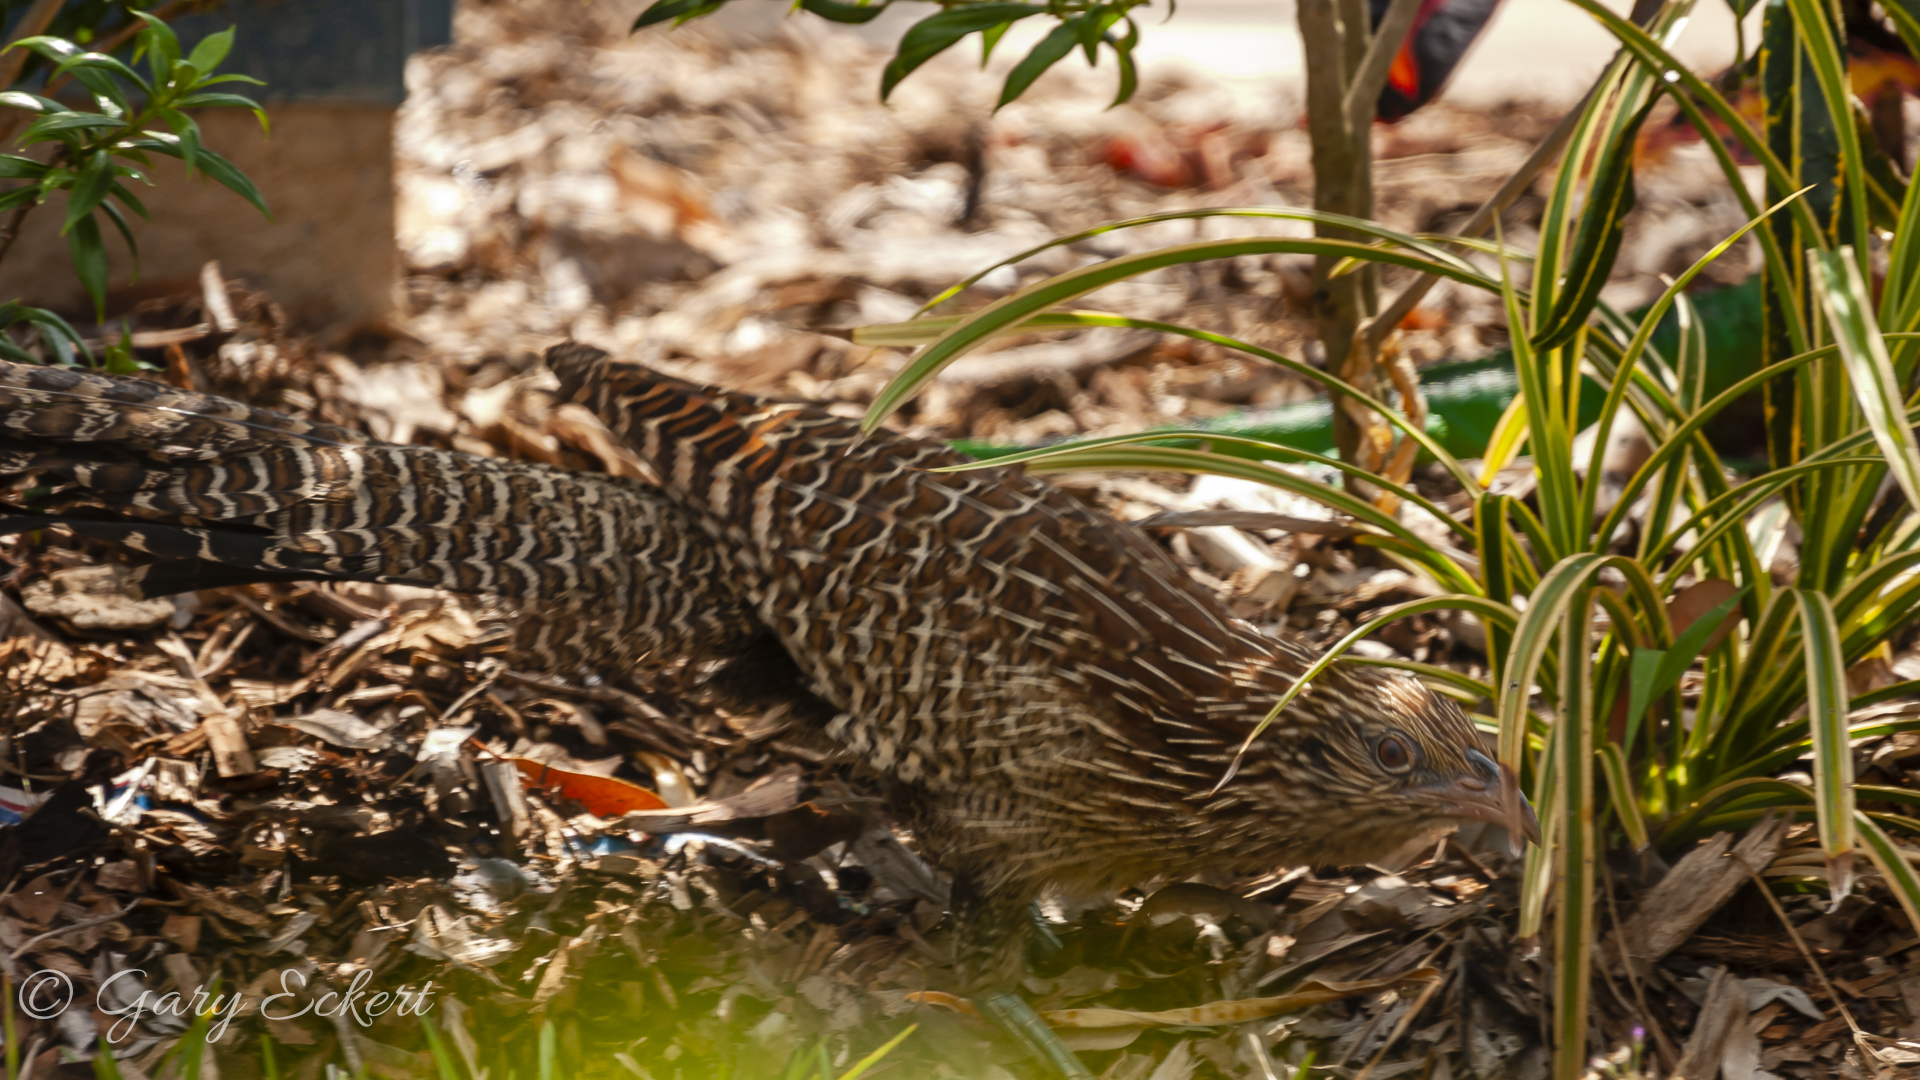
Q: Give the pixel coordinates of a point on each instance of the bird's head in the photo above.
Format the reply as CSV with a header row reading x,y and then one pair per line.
x,y
1399,759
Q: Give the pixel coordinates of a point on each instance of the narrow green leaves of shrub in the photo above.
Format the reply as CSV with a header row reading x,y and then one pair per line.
x,y
1597,243
835,11
1849,310
937,33
97,150
215,166
1656,671
1016,309
1573,851
90,261
679,11
55,332
1893,865
1058,43
860,1067
92,180
1832,749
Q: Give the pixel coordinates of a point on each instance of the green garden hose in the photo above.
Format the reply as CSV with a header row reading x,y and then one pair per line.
x,y
1466,398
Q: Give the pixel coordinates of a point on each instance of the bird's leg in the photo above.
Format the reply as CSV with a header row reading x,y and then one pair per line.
x,y
988,940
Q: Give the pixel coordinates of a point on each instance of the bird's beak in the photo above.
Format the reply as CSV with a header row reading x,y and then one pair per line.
x,y
1483,797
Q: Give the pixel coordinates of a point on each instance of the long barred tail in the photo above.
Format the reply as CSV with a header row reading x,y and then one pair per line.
x,y
597,570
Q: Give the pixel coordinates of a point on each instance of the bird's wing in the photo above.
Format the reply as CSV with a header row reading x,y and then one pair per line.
x,y
596,570
980,605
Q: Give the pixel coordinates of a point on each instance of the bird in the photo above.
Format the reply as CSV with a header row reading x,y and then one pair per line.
x,y
1048,701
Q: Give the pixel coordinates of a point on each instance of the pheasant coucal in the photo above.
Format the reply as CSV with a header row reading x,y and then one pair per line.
x,y
1047,697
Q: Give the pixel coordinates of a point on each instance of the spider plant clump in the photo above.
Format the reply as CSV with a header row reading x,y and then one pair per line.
x,y
1597,604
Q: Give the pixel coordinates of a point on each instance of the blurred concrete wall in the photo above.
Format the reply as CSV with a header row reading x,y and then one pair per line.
x,y
334,78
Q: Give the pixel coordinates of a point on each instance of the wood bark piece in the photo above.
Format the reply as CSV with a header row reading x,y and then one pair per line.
x,y
221,724
1721,1043
1703,880
775,794
509,801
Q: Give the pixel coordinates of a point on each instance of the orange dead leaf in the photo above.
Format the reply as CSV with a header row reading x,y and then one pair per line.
x,y
603,796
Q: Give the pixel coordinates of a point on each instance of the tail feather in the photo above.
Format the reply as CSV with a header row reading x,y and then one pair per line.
x,y
598,570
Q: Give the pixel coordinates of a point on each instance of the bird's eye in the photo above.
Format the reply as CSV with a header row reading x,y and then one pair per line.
x,y
1394,754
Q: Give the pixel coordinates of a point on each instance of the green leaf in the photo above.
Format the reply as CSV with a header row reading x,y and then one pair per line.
x,y
1832,747
55,49
214,98
835,11
1123,51
1655,671
211,163
70,121
1089,27
1894,866
15,167
860,1067
187,130
92,181
212,50
120,223
934,34
1360,226
90,262
988,39
1597,243
1057,44
59,335
1849,309
20,99
128,199
230,77
677,10
159,43
117,357
95,71
1614,763
1021,306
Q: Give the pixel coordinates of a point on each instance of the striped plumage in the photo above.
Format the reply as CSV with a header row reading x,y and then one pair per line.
x,y
1049,698
595,571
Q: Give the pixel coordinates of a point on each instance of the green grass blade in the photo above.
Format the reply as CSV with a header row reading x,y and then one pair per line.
x,y
1620,787
1016,309
1076,455
1575,857
1816,32
1546,428
1531,638
1849,310
1832,749
1596,243
1432,247
868,1062
548,1065
1655,56
1894,866
904,334
443,1062
1629,360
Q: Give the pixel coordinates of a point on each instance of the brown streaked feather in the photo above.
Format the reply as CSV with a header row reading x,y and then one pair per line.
x,y
596,571
1053,696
